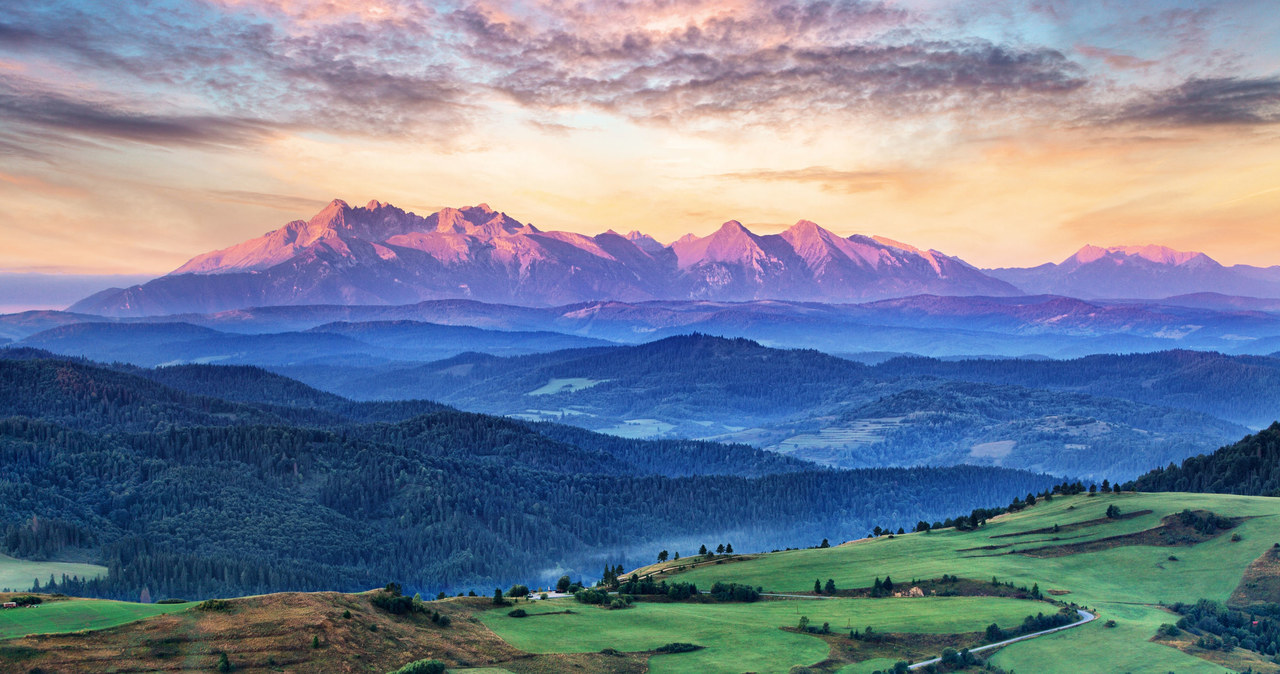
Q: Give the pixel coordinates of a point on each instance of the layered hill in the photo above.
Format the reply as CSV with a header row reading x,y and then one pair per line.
x,y
380,254
173,488
1094,272
826,409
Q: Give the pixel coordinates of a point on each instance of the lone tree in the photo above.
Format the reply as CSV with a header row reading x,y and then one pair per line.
x,y
1113,511
702,550
720,549
563,584
830,587
728,548
497,597
662,556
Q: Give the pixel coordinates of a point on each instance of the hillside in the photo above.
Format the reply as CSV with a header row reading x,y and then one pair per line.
x,y
931,325
951,589
118,469
1250,466
1206,382
150,344
808,404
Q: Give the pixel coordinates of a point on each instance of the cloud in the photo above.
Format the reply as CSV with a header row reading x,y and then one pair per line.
x,y
1220,101
25,103
224,75
280,202
1113,58
849,182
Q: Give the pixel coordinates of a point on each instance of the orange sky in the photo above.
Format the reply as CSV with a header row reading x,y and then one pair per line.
x,y
1008,135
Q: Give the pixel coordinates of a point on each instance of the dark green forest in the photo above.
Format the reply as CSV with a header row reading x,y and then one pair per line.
x,y
192,495
1250,467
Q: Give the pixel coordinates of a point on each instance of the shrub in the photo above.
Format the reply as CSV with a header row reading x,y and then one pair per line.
x,y
172,600
677,647
396,604
224,664
214,605
422,667
518,613
1110,623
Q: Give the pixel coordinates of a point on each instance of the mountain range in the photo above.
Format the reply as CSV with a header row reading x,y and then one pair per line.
x,y
1135,272
380,254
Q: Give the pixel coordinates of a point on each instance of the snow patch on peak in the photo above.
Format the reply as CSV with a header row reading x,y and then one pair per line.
x,y
1151,253
886,241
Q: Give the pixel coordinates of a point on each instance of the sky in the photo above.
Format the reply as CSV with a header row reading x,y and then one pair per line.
x,y
135,135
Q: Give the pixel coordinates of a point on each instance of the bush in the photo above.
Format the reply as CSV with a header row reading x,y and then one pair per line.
x,y
678,647
735,592
172,601
395,604
214,605
422,667
518,613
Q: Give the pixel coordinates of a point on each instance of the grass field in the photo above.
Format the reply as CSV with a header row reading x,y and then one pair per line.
x,y
1124,583
742,637
19,575
74,615
570,385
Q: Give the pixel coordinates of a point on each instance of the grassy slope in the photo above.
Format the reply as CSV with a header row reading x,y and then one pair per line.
x,y
1121,582
19,575
273,633
74,615
742,636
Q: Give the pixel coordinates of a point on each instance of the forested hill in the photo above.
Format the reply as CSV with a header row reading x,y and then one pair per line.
x,y
1250,467
721,375
95,398
814,406
195,496
1196,380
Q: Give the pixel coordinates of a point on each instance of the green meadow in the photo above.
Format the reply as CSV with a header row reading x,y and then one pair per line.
x,y
19,575
76,615
740,637
1122,582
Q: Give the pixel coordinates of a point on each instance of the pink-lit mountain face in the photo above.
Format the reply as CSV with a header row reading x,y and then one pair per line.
x,y
380,254
1146,272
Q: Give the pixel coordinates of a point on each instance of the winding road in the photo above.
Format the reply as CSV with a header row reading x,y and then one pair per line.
x,y
1086,617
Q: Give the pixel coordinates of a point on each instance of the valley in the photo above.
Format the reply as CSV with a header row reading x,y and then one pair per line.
x,y
639,337
1134,588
